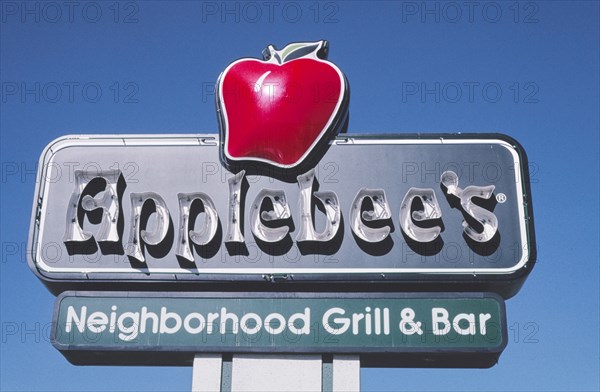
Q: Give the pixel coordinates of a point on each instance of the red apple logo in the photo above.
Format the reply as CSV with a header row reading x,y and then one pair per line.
x,y
281,112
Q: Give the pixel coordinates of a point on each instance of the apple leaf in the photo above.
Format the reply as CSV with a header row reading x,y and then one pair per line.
x,y
295,51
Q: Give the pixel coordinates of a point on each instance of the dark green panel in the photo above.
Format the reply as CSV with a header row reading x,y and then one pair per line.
x,y
391,324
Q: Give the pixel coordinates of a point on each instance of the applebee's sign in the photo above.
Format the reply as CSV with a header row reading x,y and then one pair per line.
x,y
278,201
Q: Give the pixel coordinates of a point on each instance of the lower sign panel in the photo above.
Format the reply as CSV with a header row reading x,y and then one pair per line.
x,y
394,330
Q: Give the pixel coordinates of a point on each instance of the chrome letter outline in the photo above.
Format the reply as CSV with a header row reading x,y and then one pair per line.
x,y
108,200
486,218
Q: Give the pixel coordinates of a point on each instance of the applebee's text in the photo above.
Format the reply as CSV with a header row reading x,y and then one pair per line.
x,y
269,225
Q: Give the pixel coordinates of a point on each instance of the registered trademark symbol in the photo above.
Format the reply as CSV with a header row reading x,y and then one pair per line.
x,y
500,198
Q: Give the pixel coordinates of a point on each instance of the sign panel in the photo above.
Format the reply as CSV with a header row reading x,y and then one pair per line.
x,y
416,329
403,212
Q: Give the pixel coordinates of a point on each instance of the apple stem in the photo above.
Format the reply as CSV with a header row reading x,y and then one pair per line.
x,y
271,53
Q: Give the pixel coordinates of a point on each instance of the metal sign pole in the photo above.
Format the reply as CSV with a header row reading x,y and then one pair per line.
x,y
246,372
206,373
346,373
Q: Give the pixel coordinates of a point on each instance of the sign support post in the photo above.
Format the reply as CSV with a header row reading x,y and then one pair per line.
x,y
275,372
346,373
207,373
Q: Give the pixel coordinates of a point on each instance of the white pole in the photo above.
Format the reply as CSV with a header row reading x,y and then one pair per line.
x,y
206,373
276,372
346,373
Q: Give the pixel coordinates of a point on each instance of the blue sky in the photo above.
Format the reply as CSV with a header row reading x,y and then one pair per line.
x,y
146,67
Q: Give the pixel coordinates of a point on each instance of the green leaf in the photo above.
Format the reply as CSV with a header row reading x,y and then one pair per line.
x,y
295,51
